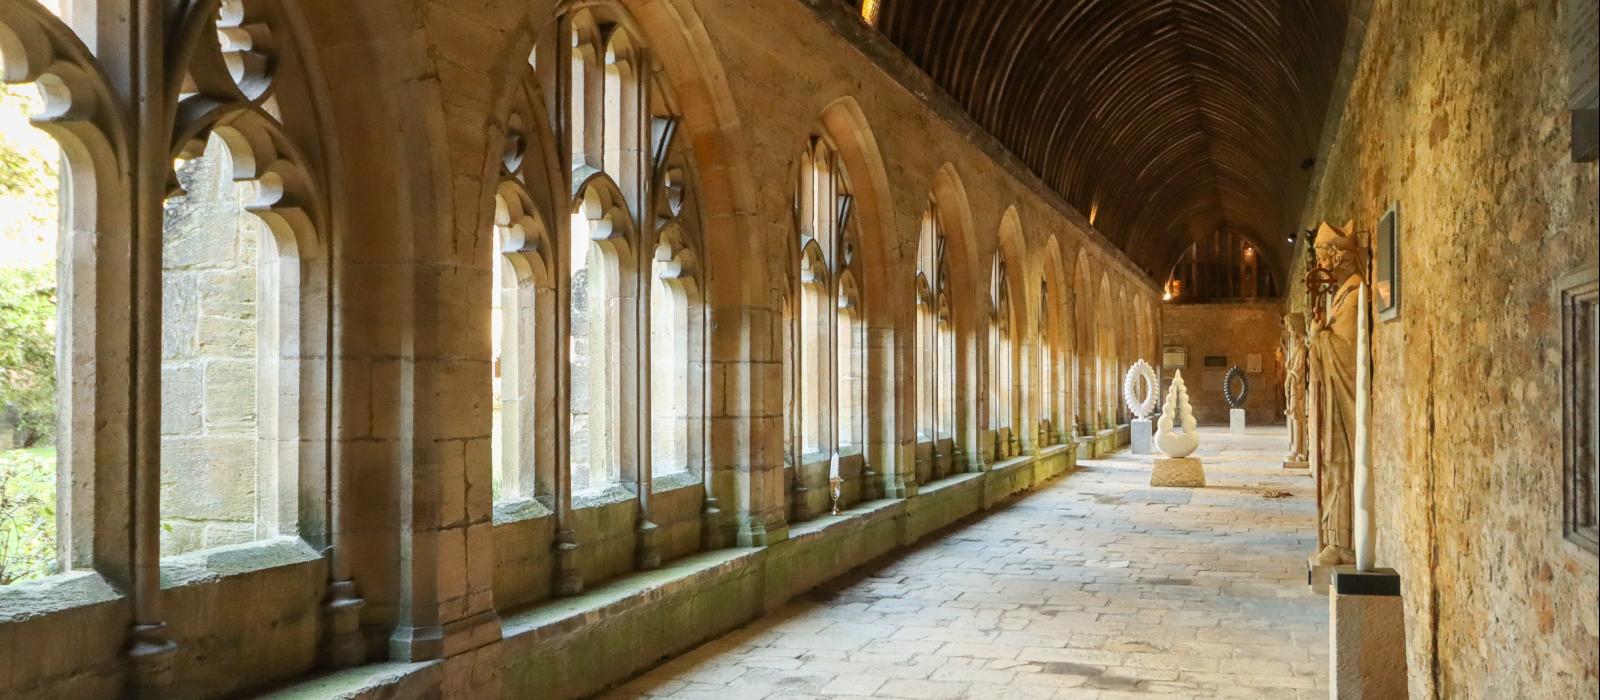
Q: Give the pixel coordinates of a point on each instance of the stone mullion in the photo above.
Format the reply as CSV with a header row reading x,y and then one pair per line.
x,y
647,554
711,506
976,458
149,649
900,476
568,580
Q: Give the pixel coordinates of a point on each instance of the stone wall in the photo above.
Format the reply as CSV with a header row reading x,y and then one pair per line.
x,y
208,360
1457,112
1235,332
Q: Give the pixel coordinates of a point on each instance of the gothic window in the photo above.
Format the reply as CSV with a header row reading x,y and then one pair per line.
x,y
34,432
830,344
635,341
1047,359
243,287
1004,352
935,332
851,363
522,303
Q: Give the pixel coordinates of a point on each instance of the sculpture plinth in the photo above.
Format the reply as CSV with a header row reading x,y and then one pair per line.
x,y
1366,635
1178,469
1141,436
1184,472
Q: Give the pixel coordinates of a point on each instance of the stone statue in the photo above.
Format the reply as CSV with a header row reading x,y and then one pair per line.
x,y
1294,385
1332,357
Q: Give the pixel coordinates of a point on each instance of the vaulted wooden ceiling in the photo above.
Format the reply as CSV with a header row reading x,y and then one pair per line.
x,y
1164,120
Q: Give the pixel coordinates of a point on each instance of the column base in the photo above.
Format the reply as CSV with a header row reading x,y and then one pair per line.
x,y
1296,464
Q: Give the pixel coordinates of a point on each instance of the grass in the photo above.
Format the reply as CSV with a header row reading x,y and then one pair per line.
x,y
27,514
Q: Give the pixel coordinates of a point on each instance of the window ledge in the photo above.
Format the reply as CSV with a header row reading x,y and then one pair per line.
x,y
858,513
214,564
600,498
565,615
674,482
949,481
520,510
54,594
812,459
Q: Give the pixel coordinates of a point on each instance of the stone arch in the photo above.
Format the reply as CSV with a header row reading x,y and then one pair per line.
x,y
1085,322
1055,343
970,315
1011,263
880,300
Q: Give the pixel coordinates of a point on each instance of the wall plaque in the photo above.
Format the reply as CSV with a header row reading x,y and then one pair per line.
x,y
1386,282
1174,357
1216,360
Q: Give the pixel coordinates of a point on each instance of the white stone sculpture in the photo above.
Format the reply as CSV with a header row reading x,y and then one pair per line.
x,y
1141,408
1172,443
1140,435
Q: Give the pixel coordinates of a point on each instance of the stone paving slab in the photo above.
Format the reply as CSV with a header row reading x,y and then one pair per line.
x,y
1096,586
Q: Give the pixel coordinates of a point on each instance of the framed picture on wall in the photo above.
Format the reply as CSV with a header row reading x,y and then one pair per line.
x,y
1386,285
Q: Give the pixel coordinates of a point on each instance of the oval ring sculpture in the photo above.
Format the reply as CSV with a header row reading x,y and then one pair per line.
x,y
1227,388
1172,443
1141,409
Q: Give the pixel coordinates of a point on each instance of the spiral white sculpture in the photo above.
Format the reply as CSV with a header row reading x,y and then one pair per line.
x,y
1130,389
1172,443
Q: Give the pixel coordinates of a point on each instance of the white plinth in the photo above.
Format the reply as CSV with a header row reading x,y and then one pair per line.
x,y
1236,421
1143,437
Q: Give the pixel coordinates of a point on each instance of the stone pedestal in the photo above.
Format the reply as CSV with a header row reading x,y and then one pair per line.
x,y
1235,421
1296,464
1366,635
1142,438
1186,472
1319,576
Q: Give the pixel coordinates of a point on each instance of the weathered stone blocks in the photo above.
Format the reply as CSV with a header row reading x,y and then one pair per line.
x,y
1184,472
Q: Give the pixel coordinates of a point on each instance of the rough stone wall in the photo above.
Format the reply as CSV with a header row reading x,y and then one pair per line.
x,y
1234,331
208,360
1457,111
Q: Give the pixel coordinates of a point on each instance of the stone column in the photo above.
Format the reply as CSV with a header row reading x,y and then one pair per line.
x,y
149,649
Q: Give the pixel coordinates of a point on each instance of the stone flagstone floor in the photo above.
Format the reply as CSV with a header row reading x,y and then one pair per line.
x,y
1094,586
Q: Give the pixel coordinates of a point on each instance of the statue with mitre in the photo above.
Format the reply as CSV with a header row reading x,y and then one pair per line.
x,y
1331,354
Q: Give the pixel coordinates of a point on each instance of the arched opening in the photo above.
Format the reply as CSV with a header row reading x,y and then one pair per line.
x,y
34,311
600,318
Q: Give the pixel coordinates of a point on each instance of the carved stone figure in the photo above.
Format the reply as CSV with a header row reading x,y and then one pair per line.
x,y
1332,359
1294,384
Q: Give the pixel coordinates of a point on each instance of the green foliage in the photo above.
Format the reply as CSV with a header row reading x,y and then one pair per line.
x,y
28,353
27,514
21,173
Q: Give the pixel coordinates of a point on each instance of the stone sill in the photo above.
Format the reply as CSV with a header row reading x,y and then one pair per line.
x,y
55,594
565,615
600,498
387,678
520,510
212,565
859,513
952,481
674,482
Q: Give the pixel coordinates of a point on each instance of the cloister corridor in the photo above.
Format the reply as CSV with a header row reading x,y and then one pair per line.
x,y
1095,585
